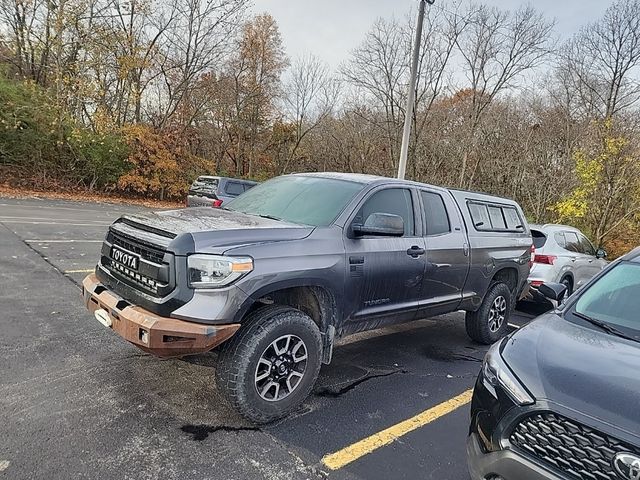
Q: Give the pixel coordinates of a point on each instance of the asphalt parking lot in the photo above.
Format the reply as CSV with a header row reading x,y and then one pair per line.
x,y
78,402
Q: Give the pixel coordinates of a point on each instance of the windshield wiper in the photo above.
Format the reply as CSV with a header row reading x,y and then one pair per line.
x,y
605,326
270,217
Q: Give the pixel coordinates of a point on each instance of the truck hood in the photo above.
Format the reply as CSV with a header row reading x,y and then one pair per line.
x,y
215,227
580,368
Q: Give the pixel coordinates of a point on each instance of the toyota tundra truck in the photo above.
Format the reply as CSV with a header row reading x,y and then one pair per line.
x,y
278,274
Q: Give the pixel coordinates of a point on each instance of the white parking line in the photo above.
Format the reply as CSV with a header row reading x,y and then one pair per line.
x,y
58,223
85,270
37,219
4,464
63,241
513,325
79,209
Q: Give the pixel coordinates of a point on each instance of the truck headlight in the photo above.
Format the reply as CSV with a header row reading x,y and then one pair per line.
x,y
212,271
496,373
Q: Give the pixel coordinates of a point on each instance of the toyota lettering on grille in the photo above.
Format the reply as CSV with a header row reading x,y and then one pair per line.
x,y
127,259
627,466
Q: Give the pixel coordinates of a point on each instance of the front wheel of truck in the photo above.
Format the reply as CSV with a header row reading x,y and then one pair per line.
x,y
270,366
489,323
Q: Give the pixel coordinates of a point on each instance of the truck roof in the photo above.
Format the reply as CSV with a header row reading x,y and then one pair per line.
x,y
460,195
351,177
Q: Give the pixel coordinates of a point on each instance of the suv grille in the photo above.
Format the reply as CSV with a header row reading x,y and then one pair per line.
x,y
575,449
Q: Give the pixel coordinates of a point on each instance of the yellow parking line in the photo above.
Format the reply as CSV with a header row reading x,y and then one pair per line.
x,y
88,270
367,445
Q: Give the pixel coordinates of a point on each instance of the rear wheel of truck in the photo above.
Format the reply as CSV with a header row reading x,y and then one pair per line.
x,y
270,366
490,322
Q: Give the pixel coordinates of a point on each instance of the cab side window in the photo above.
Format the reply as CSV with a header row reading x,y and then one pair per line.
x,y
436,217
393,201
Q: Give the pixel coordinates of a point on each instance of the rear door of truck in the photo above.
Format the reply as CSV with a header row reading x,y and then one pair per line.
x,y
447,263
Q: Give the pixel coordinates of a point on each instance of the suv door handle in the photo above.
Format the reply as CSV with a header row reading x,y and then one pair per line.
x,y
415,251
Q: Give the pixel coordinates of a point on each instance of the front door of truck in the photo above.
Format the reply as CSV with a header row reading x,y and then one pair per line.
x,y
447,254
384,274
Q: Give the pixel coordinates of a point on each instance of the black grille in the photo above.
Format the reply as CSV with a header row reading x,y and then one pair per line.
x,y
148,253
575,449
144,282
153,274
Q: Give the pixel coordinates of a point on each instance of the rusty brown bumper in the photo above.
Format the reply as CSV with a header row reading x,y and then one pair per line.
x,y
161,336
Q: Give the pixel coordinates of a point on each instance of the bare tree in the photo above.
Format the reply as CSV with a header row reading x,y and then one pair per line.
x,y
599,65
497,48
310,97
379,67
196,43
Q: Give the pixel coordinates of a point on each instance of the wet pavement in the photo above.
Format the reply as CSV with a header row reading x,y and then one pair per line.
x,y
78,402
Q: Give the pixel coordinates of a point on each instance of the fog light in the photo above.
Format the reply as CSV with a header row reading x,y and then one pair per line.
x,y
144,336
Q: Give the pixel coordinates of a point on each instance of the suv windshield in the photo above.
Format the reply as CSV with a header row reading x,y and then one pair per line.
x,y
614,299
314,201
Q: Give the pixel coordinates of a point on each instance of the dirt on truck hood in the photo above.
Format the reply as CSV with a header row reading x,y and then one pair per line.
x,y
225,227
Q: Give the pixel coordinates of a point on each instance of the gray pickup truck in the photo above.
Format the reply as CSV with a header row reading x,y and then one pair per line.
x,y
279,273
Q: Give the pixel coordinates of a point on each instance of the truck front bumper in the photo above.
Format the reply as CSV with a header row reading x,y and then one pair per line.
x,y
160,336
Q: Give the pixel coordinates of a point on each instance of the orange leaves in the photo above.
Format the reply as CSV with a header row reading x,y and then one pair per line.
x,y
162,164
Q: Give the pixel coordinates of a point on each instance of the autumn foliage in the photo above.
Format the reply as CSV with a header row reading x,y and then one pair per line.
x,y
138,97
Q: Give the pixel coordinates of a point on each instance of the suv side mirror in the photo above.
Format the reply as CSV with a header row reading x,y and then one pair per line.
x,y
553,291
601,253
381,225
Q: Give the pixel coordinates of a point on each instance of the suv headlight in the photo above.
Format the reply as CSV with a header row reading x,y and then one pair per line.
x,y
213,271
496,373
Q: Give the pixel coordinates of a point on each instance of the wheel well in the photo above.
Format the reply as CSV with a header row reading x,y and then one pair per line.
x,y
508,276
567,275
316,302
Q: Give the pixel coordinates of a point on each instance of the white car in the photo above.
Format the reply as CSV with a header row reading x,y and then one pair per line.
x,y
563,254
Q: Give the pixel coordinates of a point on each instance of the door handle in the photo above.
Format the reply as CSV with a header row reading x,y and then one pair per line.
x,y
356,260
415,251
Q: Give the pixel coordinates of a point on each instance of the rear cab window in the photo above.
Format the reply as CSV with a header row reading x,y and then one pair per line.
x,y
436,216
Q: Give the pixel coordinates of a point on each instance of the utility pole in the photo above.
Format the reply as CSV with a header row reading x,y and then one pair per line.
x,y
411,97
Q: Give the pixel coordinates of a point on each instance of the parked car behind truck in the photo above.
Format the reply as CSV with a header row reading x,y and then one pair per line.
x,y
564,255
208,191
279,273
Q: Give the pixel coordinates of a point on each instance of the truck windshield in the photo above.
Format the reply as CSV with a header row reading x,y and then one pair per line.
x,y
313,201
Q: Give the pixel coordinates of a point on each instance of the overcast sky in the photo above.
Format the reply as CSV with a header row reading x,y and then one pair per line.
x,y
332,28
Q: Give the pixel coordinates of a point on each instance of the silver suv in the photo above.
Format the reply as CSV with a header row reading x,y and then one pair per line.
x,y
565,255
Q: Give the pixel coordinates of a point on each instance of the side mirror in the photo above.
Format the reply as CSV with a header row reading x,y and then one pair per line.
x,y
601,253
381,225
553,291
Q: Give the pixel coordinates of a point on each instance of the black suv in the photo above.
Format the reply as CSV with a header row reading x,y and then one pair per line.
x,y
300,260
558,399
